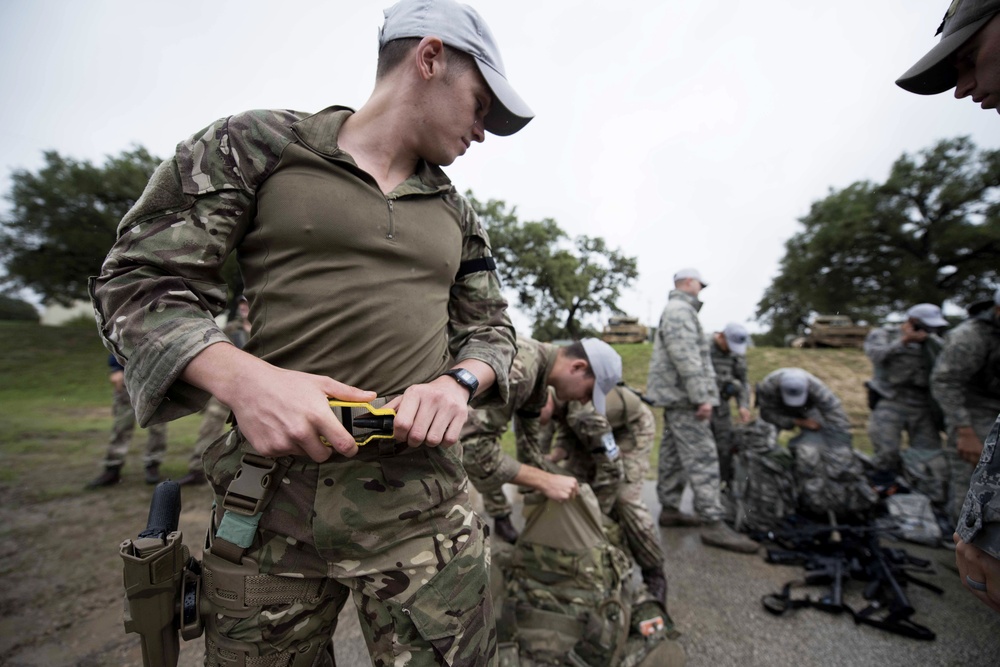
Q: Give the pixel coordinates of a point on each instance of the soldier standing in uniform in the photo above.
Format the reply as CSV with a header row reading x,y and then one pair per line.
x,y
214,420
363,263
582,371
681,381
968,59
122,429
611,453
728,349
902,358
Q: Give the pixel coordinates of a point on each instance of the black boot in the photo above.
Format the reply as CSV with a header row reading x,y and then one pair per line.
x,y
504,529
153,473
110,477
656,583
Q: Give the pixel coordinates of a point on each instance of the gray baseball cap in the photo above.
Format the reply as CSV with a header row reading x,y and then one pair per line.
x,y
794,387
737,338
460,27
690,273
934,73
606,365
928,314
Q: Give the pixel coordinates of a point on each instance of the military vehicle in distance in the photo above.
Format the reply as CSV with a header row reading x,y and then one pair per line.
x,y
624,329
832,331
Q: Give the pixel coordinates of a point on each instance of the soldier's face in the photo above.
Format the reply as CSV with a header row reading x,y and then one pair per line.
x,y
456,108
978,65
572,380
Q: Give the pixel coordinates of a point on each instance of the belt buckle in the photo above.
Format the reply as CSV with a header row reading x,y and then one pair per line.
x,y
380,420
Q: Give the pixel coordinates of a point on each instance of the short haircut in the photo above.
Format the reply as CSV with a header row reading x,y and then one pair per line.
x,y
575,350
392,54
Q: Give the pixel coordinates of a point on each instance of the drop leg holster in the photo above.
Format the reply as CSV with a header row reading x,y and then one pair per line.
x,y
233,584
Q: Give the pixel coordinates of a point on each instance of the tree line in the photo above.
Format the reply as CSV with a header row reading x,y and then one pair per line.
x,y
929,233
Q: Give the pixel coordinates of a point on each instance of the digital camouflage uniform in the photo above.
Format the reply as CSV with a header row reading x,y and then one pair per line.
x,y
344,281
616,467
489,468
123,428
966,384
213,420
681,378
822,406
979,523
731,379
901,386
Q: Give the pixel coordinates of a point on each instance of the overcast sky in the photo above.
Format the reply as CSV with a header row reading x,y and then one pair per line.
x,y
684,133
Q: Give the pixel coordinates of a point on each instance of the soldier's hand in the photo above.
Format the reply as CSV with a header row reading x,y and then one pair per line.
x,y
968,444
745,415
704,412
117,379
431,414
808,424
981,568
560,487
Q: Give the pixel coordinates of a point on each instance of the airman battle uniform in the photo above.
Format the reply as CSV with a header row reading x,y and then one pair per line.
x,y
731,380
966,384
822,406
380,291
681,377
489,468
611,454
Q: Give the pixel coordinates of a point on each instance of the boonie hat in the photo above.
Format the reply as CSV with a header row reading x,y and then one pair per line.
x,y
460,27
737,338
606,365
934,73
794,387
927,314
690,273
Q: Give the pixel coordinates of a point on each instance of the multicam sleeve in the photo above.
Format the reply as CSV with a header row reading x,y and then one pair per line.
x,y
161,283
962,356
480,327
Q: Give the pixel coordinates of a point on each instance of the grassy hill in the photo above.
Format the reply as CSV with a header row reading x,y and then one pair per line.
x,y
55,403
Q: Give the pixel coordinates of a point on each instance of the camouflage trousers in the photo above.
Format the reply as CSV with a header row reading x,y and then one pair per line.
x,y
722,432
983,418
213,423
631,512
393,527
688,454
122,430
889,420
979,523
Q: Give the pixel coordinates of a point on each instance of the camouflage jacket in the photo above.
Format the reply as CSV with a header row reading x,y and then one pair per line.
x,y
979,523
730,374
821,405
967,372
680,368
901,371
342,280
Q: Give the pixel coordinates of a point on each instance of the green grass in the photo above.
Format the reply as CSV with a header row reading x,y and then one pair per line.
x,y
55,403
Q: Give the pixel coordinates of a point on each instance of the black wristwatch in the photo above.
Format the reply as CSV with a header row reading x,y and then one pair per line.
x,y
466,379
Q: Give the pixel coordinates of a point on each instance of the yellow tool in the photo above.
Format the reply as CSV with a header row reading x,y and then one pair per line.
x,y
381,420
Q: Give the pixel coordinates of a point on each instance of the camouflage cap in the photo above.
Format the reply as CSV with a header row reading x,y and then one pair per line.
x,y
935,73
460,27
737,338
794,387
606,365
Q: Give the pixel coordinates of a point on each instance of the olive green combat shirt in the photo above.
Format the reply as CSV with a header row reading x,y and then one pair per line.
x,y
342,280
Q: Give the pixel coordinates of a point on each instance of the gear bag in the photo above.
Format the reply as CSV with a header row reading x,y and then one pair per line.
x,y
763,486
830,476
565,595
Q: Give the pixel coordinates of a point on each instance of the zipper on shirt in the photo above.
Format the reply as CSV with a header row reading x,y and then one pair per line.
x,y
392,222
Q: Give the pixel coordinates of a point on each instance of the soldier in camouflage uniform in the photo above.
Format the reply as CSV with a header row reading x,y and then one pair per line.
x,y
584,370
611,453
728,349
361,262
682,381
792,398
902,357
966,384
122,428
968,59
213,421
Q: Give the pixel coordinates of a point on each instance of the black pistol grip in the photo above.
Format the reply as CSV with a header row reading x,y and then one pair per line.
x,y
164,510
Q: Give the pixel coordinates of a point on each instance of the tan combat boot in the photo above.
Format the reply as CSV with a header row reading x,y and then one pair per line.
x,y
718,534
